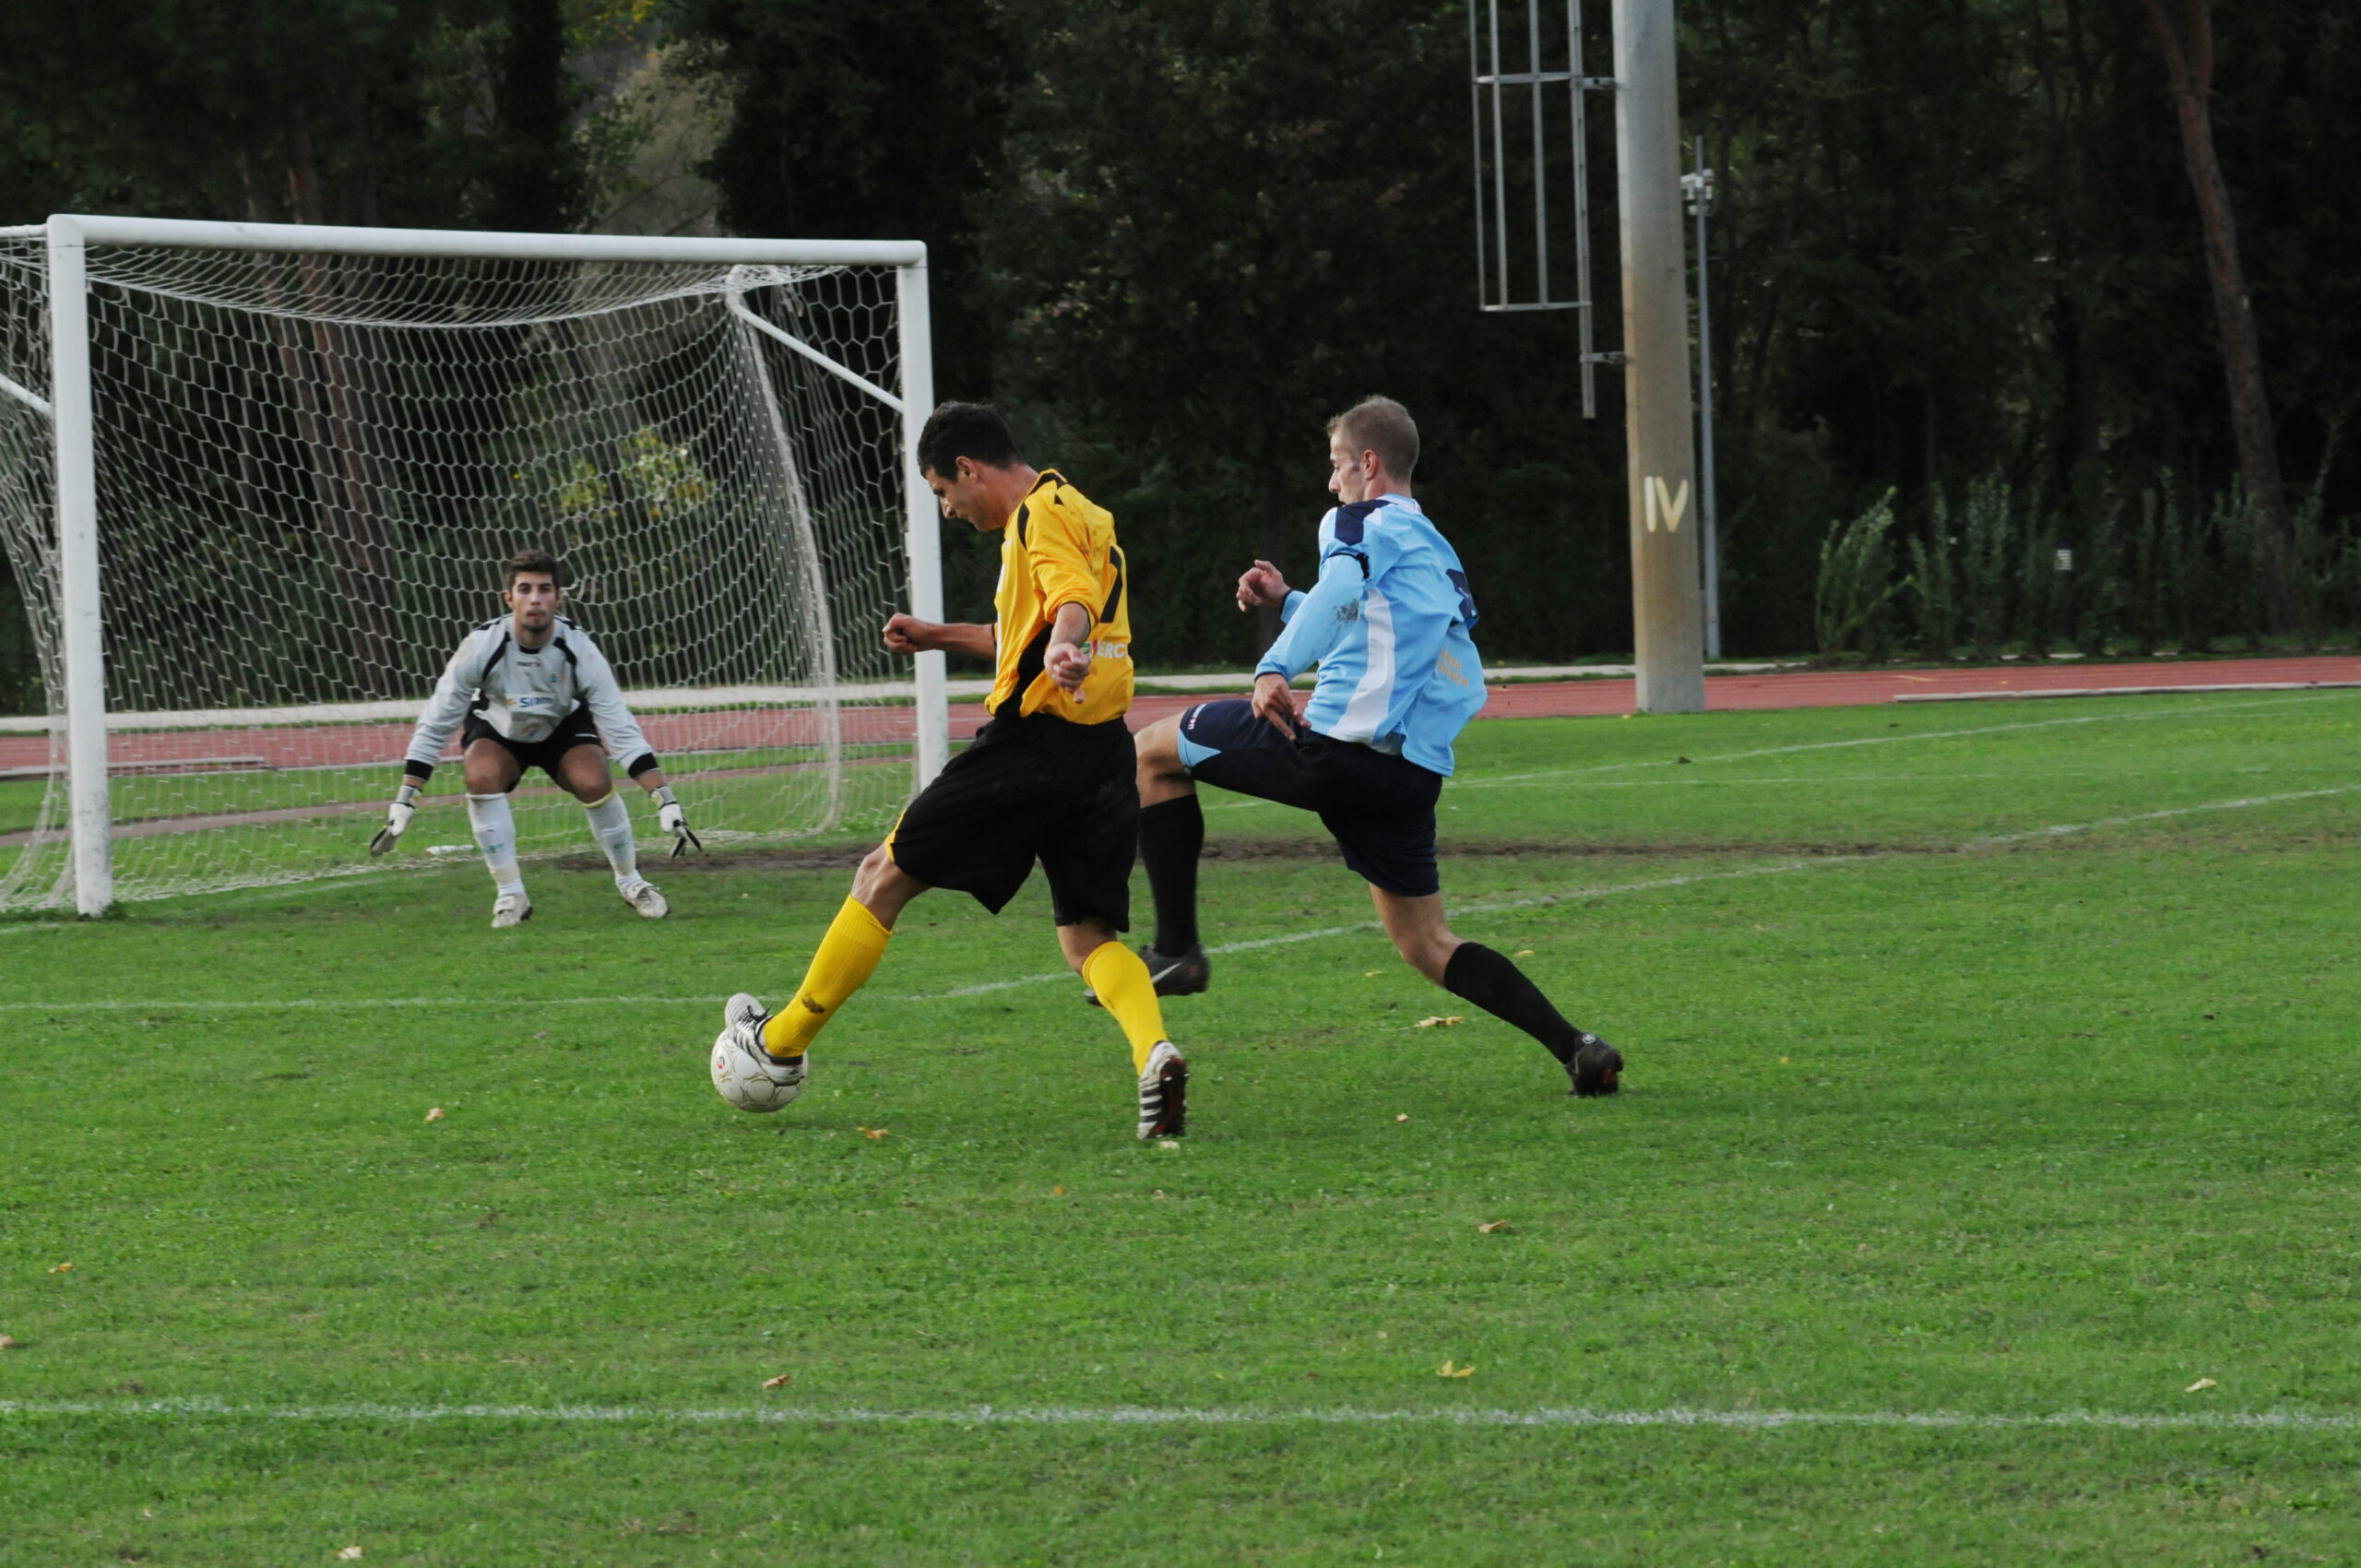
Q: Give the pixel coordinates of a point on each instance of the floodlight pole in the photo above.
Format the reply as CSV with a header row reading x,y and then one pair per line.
x,y
1668,619
1698,183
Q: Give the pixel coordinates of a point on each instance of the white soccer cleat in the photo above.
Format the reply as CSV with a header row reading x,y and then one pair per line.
x,y
744,1074
642,895
510,908
1164,1109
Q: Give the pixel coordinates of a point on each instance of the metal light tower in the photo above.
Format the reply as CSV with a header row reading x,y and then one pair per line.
x,y
1667,612
1497,285
1699,186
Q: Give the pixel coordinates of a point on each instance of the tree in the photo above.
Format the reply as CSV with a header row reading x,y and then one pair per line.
x,y
2188,62
879,121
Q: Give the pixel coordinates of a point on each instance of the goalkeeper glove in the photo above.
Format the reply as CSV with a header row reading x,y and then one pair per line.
x,y
398,817
674,821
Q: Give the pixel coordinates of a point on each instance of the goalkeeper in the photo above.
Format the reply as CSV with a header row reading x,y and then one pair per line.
x,y
1388,625
532,690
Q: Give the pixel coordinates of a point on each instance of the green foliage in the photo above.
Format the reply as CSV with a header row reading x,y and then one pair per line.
x,y
449,114
1856,573
1987,558
885,119
1951,246
1931,575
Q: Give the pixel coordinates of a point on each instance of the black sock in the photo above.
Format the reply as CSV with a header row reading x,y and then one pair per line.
x,y
1502,989
1172,834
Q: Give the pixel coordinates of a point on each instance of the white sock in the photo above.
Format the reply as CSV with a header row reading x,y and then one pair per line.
x,y
610,823
495,828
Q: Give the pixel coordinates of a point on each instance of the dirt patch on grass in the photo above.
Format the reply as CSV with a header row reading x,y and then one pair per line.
x,y
1304,849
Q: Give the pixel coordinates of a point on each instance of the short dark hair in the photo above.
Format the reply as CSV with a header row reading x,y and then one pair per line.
x,y
1383,426
532,561
974,431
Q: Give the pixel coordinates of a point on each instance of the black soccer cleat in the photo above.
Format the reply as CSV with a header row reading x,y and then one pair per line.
x,y
1186,975
1164,1093
1597,1067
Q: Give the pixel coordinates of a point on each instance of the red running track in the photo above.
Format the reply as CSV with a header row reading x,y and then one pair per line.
x,y
1862,688
382,745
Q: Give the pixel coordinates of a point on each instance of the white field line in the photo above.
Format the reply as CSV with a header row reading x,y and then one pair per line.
x,y
1198,1416
1288,939
1549,773
2126,717
1496,907
2062,829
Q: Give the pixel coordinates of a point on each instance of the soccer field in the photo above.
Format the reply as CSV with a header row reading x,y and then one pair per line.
x,y
1983,1190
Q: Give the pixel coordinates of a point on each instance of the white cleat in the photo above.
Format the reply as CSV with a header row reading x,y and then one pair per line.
x,y
510,908
642,895
1164,1109
742,1017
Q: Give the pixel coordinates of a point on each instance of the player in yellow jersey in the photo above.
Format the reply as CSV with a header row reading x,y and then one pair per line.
x,y
1050,777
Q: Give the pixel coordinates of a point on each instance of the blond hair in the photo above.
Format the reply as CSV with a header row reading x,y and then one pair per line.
x,y
1383,426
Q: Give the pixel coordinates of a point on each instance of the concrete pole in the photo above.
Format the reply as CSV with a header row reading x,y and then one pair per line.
x,y
1668,609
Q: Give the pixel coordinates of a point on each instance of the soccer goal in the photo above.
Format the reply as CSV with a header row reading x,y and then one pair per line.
x,y
256,481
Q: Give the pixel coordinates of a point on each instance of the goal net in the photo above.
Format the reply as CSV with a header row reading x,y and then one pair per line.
x,y
306,467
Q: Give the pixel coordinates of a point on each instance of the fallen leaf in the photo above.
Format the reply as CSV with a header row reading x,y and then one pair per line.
x,y
1491,1226
63,1268
781,1381
1449,1370
434,1114
1438,1021
871,1133
350,1554
1523,952
1783,1061
1372,974
8,1341
1057,1192
1404,1117
2201,1386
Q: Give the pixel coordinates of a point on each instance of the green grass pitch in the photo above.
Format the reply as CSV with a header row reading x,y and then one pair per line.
x,y
1993,1080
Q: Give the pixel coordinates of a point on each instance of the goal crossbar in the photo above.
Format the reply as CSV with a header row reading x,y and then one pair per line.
x,y
67,409
322,239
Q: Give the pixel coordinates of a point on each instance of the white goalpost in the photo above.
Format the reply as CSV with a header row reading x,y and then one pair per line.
x,y
256,481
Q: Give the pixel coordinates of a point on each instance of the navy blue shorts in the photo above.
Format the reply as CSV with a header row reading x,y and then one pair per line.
x,y
1381,809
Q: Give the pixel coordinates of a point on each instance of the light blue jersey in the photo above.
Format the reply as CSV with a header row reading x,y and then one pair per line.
x,y
1388,624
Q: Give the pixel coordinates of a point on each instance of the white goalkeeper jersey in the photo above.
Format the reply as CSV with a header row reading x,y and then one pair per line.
x,y
525,693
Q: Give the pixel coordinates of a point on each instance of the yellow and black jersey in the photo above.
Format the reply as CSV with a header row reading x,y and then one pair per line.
x,y
1060,548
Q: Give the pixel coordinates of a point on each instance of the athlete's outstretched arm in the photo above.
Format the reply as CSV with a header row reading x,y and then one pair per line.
x,y
908,634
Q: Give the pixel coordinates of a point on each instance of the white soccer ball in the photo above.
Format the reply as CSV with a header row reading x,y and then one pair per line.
x,y
744,1082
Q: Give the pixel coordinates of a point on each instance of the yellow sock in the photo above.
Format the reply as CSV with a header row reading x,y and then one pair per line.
x,y
848,956
1125,989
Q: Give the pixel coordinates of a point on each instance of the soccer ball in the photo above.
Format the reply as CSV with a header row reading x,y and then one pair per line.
x,y
744,1082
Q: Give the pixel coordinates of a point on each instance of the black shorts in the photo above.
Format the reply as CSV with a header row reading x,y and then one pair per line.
x,y
574,729
1031,788
1380,808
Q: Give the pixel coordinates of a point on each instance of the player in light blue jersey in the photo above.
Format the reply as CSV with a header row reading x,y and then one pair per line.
x,y
1388,624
